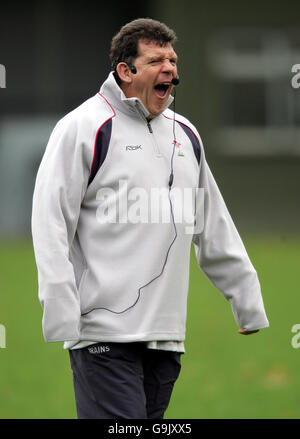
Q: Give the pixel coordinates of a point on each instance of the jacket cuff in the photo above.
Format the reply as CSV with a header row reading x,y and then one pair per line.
x,y
61,320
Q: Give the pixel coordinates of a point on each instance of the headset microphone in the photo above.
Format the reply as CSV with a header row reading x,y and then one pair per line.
x,y
133,69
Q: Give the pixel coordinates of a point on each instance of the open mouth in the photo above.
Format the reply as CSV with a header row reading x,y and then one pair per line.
x,y
162,89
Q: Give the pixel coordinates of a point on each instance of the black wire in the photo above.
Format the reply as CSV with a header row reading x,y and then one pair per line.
x,y
173,220
171,178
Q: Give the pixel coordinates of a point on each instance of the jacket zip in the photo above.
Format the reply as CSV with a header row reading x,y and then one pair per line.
x,y
149,127
156,148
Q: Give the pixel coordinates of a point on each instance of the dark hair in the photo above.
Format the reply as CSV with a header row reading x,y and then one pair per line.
x,y
124,45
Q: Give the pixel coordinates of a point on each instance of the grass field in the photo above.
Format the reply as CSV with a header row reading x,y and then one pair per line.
x,y
224,374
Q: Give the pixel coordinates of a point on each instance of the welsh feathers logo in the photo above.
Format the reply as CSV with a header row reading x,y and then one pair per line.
x,y
178,147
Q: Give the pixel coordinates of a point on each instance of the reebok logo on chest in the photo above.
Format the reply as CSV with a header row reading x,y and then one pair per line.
x,y
133,147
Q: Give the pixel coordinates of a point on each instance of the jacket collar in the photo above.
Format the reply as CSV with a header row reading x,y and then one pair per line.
x,y
115,96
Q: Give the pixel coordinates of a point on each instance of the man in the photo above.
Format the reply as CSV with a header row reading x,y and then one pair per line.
x,y
113,280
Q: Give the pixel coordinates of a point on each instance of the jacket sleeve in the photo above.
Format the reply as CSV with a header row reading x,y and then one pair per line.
x,y
60,186
223,258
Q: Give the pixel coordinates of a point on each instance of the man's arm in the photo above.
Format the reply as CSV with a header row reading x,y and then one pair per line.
x,y
223,258
60,186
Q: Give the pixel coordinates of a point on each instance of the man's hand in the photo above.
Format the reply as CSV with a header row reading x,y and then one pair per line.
x,y
244,332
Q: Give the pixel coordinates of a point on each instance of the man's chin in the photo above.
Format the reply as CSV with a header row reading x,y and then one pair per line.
x,y
154,112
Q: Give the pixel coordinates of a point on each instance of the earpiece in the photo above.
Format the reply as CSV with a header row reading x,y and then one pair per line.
x,y
133,69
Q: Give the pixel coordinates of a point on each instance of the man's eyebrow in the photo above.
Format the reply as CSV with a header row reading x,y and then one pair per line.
x,y
155,57
161,57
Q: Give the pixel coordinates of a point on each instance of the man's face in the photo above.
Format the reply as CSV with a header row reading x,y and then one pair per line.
x,y
156,67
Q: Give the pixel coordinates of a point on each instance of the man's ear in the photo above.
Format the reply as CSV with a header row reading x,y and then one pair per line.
x,y
124,72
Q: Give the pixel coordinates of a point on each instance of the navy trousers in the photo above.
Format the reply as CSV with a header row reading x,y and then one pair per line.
x,y
123,380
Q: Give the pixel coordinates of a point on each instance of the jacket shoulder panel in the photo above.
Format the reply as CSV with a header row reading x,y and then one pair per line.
x,y
102,137
190,130
94,111
84,127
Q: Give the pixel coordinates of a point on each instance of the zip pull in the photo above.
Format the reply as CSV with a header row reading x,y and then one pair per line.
x,y
149,127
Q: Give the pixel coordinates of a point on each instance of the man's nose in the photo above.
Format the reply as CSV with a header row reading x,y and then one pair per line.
x,y
169,67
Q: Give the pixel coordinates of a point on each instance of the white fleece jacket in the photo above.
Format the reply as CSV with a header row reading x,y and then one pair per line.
x,y
107,268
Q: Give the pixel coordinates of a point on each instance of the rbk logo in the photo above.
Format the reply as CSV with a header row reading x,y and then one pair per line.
x,y
133,147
